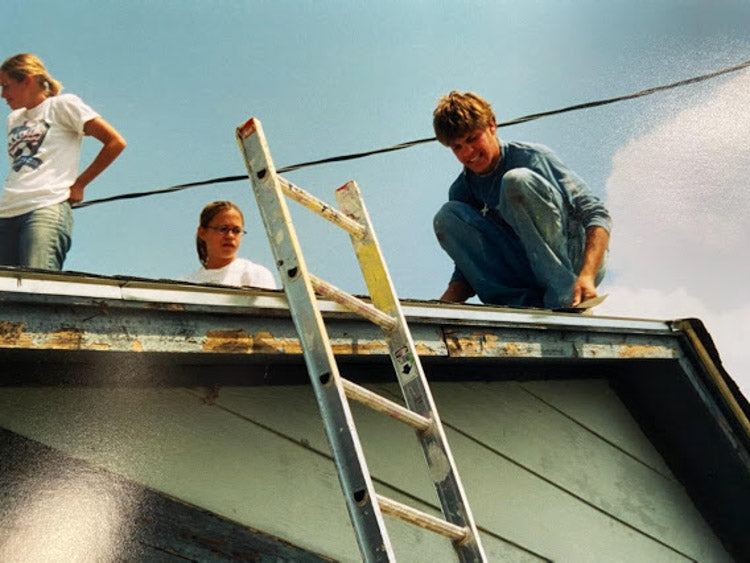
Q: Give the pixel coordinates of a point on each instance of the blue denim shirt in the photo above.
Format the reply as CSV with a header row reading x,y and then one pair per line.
x,y
583,206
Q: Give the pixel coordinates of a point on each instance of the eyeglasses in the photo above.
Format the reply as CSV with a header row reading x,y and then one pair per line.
x,y
224,229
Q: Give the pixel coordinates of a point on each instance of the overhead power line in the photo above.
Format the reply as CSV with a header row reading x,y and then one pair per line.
x,y
408,144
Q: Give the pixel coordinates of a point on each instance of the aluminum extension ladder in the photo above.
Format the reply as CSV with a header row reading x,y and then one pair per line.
x,y
365,506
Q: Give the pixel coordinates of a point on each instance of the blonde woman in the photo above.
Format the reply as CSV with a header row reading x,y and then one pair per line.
x,y
45,131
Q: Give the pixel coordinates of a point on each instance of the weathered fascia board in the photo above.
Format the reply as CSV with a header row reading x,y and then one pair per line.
x,y
488,342
57,311
64,323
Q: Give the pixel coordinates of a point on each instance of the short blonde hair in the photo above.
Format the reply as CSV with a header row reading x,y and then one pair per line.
x,y
459,113
22,65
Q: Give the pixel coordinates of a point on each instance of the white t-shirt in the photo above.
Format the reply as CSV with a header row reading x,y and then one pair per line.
x,y
44,149
239,272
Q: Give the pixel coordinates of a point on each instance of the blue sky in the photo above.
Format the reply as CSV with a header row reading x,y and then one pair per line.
x,y
326,78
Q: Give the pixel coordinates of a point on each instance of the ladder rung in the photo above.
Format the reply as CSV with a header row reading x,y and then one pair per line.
x,y
320,207
383,320
422,519
386,406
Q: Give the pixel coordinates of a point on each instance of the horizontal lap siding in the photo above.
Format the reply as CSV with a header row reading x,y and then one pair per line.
x,y
207,454
548,473
619,505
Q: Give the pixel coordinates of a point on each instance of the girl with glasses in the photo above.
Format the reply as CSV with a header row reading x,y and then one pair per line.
x,y
217,241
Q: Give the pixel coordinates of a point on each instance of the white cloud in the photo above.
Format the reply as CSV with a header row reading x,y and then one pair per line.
x,y
680,199
652,303
727,328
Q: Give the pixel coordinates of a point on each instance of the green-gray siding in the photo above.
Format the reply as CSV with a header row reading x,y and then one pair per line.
x,y
554,470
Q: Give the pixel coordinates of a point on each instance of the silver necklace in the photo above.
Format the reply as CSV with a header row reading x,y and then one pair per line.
x,y
484,192
486,208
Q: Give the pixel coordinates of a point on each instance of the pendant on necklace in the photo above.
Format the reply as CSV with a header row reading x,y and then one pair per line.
x,y
485,210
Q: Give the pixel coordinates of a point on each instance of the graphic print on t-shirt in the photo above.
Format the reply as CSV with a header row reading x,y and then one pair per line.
x,y
24,142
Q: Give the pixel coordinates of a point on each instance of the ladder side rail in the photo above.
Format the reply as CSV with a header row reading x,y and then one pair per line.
x,y
413,383
361,499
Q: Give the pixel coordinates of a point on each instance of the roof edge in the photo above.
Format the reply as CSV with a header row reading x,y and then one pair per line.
x,y
706,352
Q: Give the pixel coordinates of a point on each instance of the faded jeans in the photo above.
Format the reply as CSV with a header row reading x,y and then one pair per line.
x,y
530,256
37,239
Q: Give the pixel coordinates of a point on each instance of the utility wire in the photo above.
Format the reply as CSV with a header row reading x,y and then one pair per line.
x,y
408,144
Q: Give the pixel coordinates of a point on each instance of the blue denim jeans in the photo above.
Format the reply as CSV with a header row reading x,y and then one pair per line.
x,y
37,239
530,257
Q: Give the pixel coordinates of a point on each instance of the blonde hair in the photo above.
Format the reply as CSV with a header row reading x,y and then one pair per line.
x,y
459,113
22,65
209,212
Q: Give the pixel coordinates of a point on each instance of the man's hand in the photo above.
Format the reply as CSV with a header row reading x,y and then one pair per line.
x,y
583,289
597,239
458,291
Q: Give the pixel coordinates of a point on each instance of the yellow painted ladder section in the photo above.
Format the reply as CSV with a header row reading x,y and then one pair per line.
x,y
364,504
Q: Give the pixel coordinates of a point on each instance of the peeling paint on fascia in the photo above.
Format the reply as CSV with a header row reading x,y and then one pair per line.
x,y
165,306
64,339
14,335
264,342
426,350
621,351
359,348
485,345
239,341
